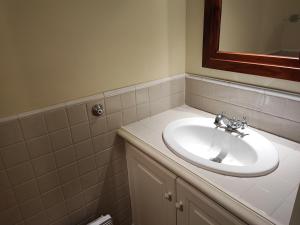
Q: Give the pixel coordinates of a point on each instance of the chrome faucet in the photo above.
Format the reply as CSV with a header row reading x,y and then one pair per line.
x,y
230,124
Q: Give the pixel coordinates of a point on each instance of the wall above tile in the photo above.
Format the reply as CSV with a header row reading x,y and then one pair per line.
x,y
57,63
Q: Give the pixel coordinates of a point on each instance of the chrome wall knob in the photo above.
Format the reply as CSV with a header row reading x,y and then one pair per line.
x,y
98,110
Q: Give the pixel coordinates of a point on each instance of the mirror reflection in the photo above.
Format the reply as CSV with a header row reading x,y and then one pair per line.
x,y
270,27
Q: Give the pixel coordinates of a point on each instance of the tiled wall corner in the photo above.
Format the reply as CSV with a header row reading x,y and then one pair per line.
x,y
166,95
268,110
63,165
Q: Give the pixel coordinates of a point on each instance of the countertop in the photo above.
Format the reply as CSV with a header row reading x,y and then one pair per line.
x,y
271,196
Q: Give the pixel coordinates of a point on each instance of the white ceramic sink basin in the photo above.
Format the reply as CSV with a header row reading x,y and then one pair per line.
x,y
199,142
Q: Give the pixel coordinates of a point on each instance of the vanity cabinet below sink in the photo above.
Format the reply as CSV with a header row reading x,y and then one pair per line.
x,y
160,197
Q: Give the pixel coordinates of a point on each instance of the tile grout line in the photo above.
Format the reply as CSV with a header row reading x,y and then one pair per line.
x,y
13,186
34,172
68,213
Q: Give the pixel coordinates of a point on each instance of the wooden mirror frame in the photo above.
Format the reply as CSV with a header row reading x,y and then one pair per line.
x,y
263,65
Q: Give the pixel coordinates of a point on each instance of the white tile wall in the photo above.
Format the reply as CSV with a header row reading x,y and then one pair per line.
x,y
10,132
142,96
265,109
33,126
128,99
77,113
113,104
56,119
129,115
58,164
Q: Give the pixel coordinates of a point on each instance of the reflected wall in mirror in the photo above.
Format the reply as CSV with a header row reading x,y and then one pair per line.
x,y
270,27
260,37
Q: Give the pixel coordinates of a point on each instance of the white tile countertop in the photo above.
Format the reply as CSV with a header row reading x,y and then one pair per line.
x,y
271,196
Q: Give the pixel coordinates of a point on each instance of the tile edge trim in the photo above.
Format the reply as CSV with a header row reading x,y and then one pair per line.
x,y
254,88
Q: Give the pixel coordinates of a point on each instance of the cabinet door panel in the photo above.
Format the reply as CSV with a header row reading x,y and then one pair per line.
x,y
149,186
198,209
196,217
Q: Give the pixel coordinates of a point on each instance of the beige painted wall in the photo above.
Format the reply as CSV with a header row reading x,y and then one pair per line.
x,y
57,50
194,21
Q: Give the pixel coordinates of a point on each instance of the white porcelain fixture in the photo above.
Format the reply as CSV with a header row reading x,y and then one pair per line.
x,y
198,141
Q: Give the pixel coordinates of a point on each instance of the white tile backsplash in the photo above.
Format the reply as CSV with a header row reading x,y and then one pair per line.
x,y
160,105
177,99
113,104
177,85
142,96
265,109
128,99
114,121
142,111
129,115
155,92
273,105
292,110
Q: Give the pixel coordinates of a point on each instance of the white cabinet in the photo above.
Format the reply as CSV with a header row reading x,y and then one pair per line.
x,y
155,201
152,190
197,209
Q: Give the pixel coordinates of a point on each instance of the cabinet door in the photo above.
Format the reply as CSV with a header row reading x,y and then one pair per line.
x,y
152,190
194,208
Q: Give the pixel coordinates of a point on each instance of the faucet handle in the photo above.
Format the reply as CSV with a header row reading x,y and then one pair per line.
x,y
244,122
225,114
218,119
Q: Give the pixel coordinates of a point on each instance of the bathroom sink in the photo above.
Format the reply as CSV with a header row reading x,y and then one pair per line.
x,y
198,141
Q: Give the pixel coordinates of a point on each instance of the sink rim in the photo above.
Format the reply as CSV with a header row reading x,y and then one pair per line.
x,y
267,158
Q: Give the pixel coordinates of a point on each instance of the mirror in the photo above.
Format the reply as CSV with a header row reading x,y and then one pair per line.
x,y
269,27
259,37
